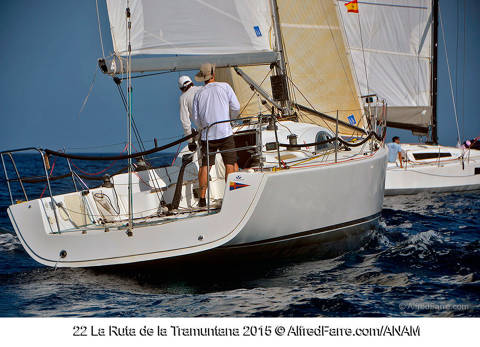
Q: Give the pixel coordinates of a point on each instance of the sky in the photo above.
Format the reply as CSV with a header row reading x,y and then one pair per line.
x,y
49,58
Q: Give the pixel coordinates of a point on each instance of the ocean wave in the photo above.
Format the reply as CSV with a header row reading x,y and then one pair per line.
x,y
425,238
9,242
423,260
314,307
421,245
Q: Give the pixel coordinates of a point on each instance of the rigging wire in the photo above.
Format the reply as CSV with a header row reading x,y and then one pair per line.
x,y
135,129
363,53
463,67
137,134
456,51
254,92
313,107
84,103
449,74
77,176
348,46
100,29
417,84
46,184
338,51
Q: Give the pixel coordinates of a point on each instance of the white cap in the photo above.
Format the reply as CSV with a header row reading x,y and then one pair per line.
x,y
183,81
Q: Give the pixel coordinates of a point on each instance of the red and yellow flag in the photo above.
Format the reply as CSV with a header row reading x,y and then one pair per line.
x,y
352,6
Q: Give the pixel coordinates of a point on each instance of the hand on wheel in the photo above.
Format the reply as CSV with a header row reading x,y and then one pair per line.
x,y
192,146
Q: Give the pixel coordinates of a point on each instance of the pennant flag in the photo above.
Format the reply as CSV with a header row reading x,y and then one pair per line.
x,y
352,6
236,185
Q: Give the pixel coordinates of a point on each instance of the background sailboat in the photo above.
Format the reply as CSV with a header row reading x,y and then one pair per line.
x,y
391,47
402,39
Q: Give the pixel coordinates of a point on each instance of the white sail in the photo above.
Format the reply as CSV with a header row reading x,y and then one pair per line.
x,y
201,28
390,45
317,63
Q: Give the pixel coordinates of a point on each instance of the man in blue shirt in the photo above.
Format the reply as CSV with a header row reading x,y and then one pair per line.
x,y
395,150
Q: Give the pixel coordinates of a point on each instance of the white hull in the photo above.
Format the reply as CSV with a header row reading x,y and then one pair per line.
x,y
316,203
273,208
446,174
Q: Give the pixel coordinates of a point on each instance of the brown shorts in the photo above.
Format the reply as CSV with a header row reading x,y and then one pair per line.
x,y
220,144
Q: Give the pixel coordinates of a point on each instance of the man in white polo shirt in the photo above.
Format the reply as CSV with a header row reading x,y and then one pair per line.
x,y
186,104
214,102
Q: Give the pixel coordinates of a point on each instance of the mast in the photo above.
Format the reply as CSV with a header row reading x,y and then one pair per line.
x,y
129,120
434,77
282,68
280,79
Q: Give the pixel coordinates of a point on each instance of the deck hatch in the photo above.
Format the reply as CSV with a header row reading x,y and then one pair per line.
x,y
431,155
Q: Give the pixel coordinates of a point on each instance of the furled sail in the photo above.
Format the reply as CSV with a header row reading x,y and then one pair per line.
x,y
390,45
182,34
318,66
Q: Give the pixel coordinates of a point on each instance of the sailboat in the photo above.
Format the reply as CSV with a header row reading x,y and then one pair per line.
x,y
312,170
401,38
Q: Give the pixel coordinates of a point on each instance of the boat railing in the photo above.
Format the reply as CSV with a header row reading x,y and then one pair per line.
x,y
32,179
46,177
260,120
377,114
406,159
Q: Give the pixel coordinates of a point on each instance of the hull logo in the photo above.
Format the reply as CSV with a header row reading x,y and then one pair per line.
x,y
236,185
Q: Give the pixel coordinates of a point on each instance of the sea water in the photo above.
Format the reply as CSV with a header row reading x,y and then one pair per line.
x,y
424,260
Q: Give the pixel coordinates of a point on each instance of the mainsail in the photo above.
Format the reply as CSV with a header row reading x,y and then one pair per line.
x,y
391,48
317,62
183,34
